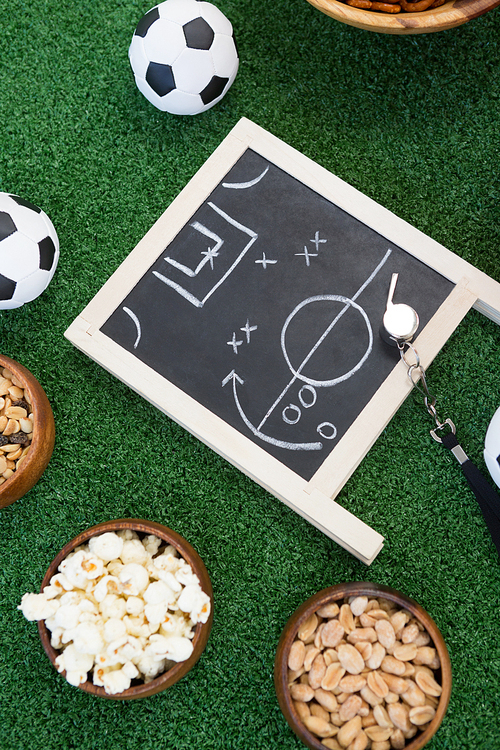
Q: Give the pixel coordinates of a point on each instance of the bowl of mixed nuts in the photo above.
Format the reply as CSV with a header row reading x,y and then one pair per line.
x,y
27,431
124,610
364,667
404,16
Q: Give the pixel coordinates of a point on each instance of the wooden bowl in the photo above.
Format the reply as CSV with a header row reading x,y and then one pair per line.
x,y
202,630
335,594
452,13
38,456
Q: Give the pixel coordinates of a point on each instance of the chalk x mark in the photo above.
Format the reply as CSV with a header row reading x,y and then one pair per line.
x,y
134,317
307,255
265,261
273,441
234,343
245,185
317,241
247,330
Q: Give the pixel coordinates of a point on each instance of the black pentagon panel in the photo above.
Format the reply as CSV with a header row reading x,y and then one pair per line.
x,y
26,204
7,287
146,21
199,34
214,89
47,251
7,226
161,78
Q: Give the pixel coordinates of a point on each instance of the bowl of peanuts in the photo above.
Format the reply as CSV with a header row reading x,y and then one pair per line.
x,y
404,16
27,431
364,667
125,609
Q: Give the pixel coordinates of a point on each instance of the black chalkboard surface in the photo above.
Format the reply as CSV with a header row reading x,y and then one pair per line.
x,y
250,314
266,308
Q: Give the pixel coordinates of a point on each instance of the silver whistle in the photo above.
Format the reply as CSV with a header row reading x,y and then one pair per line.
x,y
400,322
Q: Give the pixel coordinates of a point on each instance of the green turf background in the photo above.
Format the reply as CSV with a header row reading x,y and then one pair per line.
x,y
413,122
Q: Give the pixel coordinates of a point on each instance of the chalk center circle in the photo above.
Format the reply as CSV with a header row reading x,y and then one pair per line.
x,y
324,298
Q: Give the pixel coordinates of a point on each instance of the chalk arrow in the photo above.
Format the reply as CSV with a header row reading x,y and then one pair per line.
x,y
232,376
279,443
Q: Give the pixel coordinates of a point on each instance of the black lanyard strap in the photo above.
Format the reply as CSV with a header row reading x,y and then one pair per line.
x,y
444,432
487,498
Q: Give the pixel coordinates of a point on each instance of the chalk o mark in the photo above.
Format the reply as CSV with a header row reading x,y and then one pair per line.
x,y
244,185
134,317
307,389
292,408
347,304
321,429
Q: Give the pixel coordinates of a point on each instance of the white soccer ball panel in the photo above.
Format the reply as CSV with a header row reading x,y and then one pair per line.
x,y
179,11
216,18
19,256
29,222
32,286
182,103
193,70
224,56
10,304
137,57
164,42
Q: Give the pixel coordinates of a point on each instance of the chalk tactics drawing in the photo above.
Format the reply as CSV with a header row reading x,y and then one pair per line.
x,y
307,395
269,274
209,256
245,185
134,317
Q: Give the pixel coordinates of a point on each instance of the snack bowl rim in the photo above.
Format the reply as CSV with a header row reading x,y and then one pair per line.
x,y
336,593
42,445
451,14
202,630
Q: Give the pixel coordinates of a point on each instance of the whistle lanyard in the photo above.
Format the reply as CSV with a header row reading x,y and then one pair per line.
x,y
444,432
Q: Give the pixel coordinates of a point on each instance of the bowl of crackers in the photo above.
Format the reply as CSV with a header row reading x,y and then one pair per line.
x,y
403,16
27,431
125,609
359,666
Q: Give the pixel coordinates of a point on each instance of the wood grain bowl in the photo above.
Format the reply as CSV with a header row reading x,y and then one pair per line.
x,y
202,630
453,13
42,446
336,594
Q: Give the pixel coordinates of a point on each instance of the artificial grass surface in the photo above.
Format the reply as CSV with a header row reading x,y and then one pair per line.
x,y
410,121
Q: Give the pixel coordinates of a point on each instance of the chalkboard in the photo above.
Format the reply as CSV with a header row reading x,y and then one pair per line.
x,y
259,297
266,309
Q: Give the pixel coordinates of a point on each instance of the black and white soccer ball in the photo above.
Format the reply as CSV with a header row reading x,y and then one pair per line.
x,y
29,251
184,56
492,447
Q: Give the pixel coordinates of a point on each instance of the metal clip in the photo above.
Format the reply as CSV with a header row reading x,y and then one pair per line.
x,y
441,426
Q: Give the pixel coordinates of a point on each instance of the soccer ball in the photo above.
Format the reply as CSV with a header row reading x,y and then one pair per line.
x,y
183,56
492,447
29,251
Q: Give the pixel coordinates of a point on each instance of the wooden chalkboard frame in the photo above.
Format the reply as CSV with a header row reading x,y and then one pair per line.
x,y
314,499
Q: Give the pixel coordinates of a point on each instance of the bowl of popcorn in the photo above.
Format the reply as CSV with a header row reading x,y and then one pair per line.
x,y
404,16
360,666
27,431
125,609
